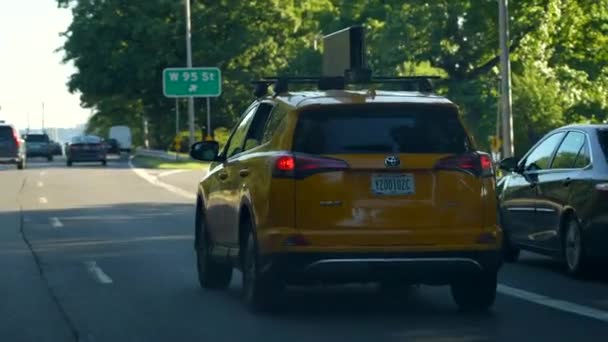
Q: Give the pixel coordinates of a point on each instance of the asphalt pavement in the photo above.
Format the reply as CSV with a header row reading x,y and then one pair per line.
x,y
93,253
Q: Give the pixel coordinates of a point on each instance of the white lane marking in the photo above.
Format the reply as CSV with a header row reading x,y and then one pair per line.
x,y
97,273
557,304
154,181
55,223
43,173
169,173
40,184
43,200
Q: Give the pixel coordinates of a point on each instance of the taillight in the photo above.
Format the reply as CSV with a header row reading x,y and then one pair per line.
x,y
301,166
285,164
478,164
16,138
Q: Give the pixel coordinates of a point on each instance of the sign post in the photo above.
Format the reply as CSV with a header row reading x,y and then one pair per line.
x,y
177,150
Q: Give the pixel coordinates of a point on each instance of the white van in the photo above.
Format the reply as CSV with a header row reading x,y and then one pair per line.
x,y
122,134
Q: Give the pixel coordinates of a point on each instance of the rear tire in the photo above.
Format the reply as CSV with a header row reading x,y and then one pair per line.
x,y
69,163
261,291
211,274
573,250
475,293
49,158
104,162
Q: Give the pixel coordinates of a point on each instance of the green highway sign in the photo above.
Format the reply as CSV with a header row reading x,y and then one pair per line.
x,y
192,82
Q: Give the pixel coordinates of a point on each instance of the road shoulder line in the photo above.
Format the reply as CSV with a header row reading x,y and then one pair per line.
x,y
154,181
169,173
557,304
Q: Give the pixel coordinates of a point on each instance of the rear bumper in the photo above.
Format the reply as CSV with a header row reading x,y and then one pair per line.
x,y
9,160
86,157
419,267
39,153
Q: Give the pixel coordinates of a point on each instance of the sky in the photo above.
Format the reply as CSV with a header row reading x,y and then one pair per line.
x,y
31,71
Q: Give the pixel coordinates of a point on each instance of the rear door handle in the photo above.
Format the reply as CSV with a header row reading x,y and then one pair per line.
x,y
567,181
223,176
244,172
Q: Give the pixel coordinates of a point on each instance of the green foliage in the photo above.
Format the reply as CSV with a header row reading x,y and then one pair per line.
x,y
559,52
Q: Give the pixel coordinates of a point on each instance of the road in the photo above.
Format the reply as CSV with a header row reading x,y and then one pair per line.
x,y
104,254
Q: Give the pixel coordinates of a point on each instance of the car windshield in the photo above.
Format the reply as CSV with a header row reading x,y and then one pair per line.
x,y
37,138
381,130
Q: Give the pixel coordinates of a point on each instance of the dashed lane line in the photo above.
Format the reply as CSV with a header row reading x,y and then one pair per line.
x,y
55,222
43,200
97,273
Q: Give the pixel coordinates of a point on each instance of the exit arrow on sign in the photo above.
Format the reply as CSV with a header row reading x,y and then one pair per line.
x,y
192,82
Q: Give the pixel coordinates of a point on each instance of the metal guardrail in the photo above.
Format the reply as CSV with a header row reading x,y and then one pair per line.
x,y
160,154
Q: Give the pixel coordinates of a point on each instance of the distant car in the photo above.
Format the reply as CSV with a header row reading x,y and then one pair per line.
x,y
122,134
56,148
113,147
12,147
554,200
39,145
86,148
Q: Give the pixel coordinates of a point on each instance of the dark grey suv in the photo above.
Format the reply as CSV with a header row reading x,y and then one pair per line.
x,y
39,145
12,147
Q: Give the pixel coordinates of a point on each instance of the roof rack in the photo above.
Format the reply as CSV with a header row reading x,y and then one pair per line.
x,y
281,83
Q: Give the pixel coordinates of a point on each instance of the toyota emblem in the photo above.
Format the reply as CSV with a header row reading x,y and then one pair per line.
x,y
392,161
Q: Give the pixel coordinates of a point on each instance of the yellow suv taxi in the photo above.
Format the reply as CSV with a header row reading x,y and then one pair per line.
x,y
343,186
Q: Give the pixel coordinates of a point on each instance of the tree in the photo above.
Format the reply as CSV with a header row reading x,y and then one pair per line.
x,y
559,51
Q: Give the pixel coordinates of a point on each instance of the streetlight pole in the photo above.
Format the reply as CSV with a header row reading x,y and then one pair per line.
x,y
43,117
505,76
189,61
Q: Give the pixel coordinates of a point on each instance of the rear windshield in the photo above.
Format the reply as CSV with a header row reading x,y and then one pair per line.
x,y
603,136
37,138
6,133
89,139
344,130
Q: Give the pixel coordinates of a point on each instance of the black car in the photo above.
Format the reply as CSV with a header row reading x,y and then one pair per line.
x,y
86,148
56,148
554,201
113,146
39,145
12,147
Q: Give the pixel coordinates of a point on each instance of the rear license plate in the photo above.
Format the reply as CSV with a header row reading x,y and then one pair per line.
x,y
393,184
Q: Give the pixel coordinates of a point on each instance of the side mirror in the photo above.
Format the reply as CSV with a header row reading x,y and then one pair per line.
x,y
205,151
508,164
